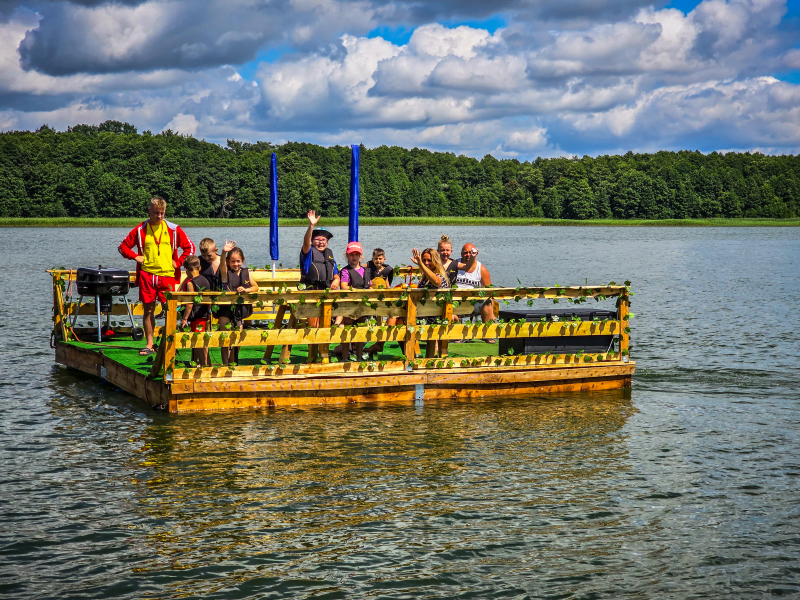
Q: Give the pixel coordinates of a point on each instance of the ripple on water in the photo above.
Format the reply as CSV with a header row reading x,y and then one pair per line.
x,y
683,487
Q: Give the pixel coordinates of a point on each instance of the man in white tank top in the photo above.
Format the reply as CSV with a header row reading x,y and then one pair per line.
x,y
472,274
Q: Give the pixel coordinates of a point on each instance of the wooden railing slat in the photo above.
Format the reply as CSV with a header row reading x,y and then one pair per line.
x,y
292,336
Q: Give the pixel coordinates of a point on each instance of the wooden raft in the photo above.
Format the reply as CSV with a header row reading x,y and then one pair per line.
x,y
319,381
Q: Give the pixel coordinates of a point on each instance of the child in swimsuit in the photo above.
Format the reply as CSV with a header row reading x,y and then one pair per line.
x,y
235,278
196,316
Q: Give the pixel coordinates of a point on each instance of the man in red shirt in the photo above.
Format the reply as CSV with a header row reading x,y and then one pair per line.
x,y
154,245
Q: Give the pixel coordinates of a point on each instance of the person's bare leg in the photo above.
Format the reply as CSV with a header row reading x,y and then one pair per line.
x,y
430,349
487,314
149,322
224,351
378,346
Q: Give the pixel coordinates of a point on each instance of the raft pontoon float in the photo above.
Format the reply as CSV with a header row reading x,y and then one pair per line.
x,y
303,370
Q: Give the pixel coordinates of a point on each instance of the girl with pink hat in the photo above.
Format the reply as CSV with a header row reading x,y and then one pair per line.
x,y
354,276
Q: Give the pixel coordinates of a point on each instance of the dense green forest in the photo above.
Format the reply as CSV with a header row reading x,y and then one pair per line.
x,y
111,170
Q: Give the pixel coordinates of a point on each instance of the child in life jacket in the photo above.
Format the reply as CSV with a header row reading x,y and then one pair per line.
x,y
196,316
353,276
377,267
209,264
235,278
381,276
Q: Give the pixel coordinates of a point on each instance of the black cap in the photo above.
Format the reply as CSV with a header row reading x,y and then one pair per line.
x,y
321,231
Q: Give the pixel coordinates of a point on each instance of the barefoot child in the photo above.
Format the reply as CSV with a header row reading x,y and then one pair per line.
x,y
196,316
235,278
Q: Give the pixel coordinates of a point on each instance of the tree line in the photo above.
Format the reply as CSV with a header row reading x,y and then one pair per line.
x,y
112,170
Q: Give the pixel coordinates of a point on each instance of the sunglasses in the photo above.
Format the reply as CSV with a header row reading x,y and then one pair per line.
x,y
468,253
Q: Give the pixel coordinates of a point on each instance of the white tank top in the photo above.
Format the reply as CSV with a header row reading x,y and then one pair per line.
x,y
469,280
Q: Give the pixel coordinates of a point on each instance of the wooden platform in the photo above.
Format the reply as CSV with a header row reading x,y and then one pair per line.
x,y
281,319
261,391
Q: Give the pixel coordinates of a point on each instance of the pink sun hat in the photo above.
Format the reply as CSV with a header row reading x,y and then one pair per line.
x,y
354,247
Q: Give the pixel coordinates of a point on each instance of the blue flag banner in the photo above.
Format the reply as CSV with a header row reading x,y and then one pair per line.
x,y
352,232
273,208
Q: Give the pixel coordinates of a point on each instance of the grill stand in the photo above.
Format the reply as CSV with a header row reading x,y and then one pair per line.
x,y
108,316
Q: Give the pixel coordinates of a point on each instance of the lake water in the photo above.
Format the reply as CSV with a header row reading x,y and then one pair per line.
x,y
685,486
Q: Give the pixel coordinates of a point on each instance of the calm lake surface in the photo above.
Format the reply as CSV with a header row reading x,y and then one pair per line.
x,y
686,486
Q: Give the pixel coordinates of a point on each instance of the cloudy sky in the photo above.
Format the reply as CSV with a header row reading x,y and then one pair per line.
x,y
515,78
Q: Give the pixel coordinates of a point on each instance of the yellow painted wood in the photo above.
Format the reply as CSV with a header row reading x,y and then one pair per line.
x,y
327,320
278,319
494,376
158,359
286,351
170,325
307,297
355,382
447,317
622,314
88,308
280,372
291,336
59,320
410,347
494,362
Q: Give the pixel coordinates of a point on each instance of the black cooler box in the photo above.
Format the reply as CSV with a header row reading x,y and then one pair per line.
x,y
560,344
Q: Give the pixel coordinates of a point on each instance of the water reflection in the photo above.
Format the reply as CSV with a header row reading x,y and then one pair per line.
x,y
375,490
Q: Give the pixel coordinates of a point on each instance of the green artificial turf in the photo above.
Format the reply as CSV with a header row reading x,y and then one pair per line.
x,y
126,352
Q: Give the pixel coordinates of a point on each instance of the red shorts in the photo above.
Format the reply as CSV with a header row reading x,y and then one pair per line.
x,y
152,287
198,325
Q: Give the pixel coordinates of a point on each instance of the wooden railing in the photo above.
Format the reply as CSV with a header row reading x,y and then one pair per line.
x,y
410,304
281,313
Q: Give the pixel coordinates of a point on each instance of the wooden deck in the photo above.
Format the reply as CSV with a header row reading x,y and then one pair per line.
x,y
281,313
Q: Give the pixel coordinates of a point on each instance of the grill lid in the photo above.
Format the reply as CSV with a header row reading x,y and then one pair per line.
x,y
103,281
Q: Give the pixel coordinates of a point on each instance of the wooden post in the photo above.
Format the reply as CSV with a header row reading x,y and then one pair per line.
x,y
58,307
622,314
286,351
411,323
158,359
447,315
327,319
313,352
168,334
278,325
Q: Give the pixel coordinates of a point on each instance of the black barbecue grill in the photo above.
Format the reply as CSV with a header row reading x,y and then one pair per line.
x,y
104,284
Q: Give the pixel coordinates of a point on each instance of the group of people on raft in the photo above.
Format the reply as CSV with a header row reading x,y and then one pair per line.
x,y
160,248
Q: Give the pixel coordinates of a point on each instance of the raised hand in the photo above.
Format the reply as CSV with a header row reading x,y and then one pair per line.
x,y
229,245
415,257
313,219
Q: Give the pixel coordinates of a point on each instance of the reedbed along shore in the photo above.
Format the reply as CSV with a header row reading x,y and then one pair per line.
x,y
407,221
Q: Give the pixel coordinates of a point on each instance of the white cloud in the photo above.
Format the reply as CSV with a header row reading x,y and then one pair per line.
x,y
617,77
183,124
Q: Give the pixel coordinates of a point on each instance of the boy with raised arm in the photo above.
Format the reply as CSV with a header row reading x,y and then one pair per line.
x,y
318,270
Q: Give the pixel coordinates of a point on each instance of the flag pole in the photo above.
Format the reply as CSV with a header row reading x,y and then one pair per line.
x,y
273,213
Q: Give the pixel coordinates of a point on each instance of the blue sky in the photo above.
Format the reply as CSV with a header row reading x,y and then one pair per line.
x,y
522,79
